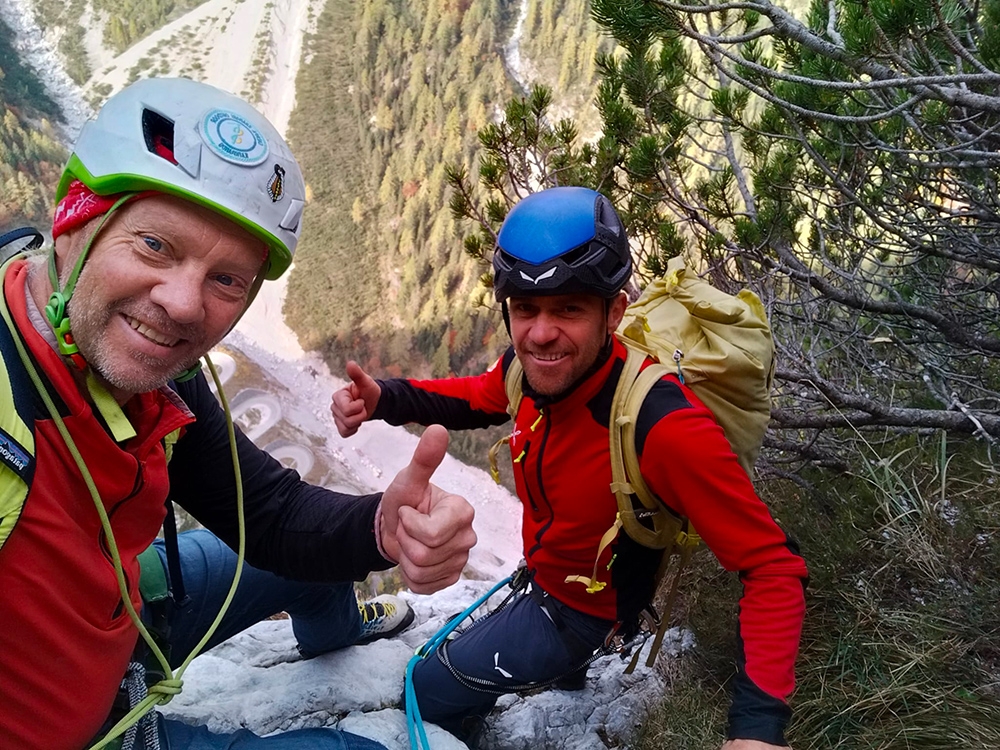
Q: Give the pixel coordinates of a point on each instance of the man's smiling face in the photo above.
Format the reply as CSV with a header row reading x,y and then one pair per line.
x,y
557,338
163,283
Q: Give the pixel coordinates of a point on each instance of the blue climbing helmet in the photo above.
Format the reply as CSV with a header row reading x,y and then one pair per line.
x,y
564,240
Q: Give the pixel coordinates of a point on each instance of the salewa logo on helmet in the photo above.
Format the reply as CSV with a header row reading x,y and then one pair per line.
x,y
541,277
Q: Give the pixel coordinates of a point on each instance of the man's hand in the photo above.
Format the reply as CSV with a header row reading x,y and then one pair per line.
x,y
355,402
429,531
751,745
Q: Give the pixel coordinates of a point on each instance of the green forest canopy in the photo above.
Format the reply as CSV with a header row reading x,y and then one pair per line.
x,y
406,87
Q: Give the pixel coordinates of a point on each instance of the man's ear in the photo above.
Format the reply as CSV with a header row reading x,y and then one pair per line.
x,y
68,245
616,311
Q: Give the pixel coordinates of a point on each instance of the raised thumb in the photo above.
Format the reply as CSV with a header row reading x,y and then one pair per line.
x,y
410,485
358,376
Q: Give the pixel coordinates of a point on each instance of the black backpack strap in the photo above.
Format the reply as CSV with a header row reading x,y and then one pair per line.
x,y
18,409
177,592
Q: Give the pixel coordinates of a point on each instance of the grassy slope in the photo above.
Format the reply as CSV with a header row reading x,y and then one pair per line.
x,y
325,132
900,644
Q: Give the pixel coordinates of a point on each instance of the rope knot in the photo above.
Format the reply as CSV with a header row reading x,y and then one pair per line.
x,y
167,688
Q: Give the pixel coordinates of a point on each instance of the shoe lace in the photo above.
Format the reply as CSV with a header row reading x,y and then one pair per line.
x,y
370,612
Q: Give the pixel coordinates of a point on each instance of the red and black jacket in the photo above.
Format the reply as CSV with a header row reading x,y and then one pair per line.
x,y
65,635
562,471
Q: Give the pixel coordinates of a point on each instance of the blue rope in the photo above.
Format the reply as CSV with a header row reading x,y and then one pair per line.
x,y
414,724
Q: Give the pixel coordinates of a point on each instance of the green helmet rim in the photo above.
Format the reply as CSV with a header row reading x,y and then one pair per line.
x,y
278,257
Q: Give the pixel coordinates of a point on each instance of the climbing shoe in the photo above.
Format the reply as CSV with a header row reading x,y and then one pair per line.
x,y
383,617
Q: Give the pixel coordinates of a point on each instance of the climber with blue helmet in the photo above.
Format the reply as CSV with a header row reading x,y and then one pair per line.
x,y
560,264
177,202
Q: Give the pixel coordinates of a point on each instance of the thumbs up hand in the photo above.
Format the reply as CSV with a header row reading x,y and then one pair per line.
x,y
427,530
355,402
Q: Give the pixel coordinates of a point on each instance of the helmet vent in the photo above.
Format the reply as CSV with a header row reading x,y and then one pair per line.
x,y
606,215
158,132
574,257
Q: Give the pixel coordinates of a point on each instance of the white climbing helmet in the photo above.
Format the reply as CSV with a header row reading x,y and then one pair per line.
x,y
178,136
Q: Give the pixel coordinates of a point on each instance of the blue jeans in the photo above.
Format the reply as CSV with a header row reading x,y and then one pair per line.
x,y
324,618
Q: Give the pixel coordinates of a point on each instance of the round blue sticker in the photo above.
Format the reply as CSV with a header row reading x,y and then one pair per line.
x,y
233,138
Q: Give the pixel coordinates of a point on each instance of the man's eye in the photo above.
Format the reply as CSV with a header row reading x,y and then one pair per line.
x,y
153,244
225,280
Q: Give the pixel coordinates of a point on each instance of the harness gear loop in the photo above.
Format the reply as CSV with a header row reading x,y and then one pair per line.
x,y
592,584
414,724
494,450
542,600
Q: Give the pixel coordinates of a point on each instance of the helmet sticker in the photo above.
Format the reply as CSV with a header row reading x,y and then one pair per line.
x,y
276,185
233,138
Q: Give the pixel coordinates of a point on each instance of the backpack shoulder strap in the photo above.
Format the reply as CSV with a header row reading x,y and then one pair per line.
x,y
17,426
515,393
512,384
674,535
626,478
648,522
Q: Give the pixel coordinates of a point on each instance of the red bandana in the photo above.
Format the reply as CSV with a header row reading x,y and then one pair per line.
x,y
79,206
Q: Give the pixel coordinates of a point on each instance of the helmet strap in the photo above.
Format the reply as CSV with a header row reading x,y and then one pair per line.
x,y
55,310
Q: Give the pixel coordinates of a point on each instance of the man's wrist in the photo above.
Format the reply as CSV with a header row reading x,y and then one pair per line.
x,y
378,535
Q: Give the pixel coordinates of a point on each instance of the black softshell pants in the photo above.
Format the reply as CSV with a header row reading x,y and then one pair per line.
x,y
535,639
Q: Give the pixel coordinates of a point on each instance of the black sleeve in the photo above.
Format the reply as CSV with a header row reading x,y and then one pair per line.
x,y
293,528
457,403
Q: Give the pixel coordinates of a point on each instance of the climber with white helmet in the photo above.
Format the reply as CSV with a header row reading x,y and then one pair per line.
x,y
177,202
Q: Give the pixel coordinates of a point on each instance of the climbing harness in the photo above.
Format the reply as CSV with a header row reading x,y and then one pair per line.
x,y
619,640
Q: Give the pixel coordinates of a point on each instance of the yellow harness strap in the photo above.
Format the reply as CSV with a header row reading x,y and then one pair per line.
x,y
512,385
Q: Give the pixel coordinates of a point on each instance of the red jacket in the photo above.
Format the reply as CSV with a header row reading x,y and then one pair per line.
x,y
562,471
65,635
61,611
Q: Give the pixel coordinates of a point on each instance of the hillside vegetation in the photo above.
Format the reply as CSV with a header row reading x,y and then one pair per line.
x,y
560,46
122,23
406,87
31,156
394,92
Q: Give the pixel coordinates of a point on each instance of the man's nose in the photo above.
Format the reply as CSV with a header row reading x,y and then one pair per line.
x,y
544,329
181,294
